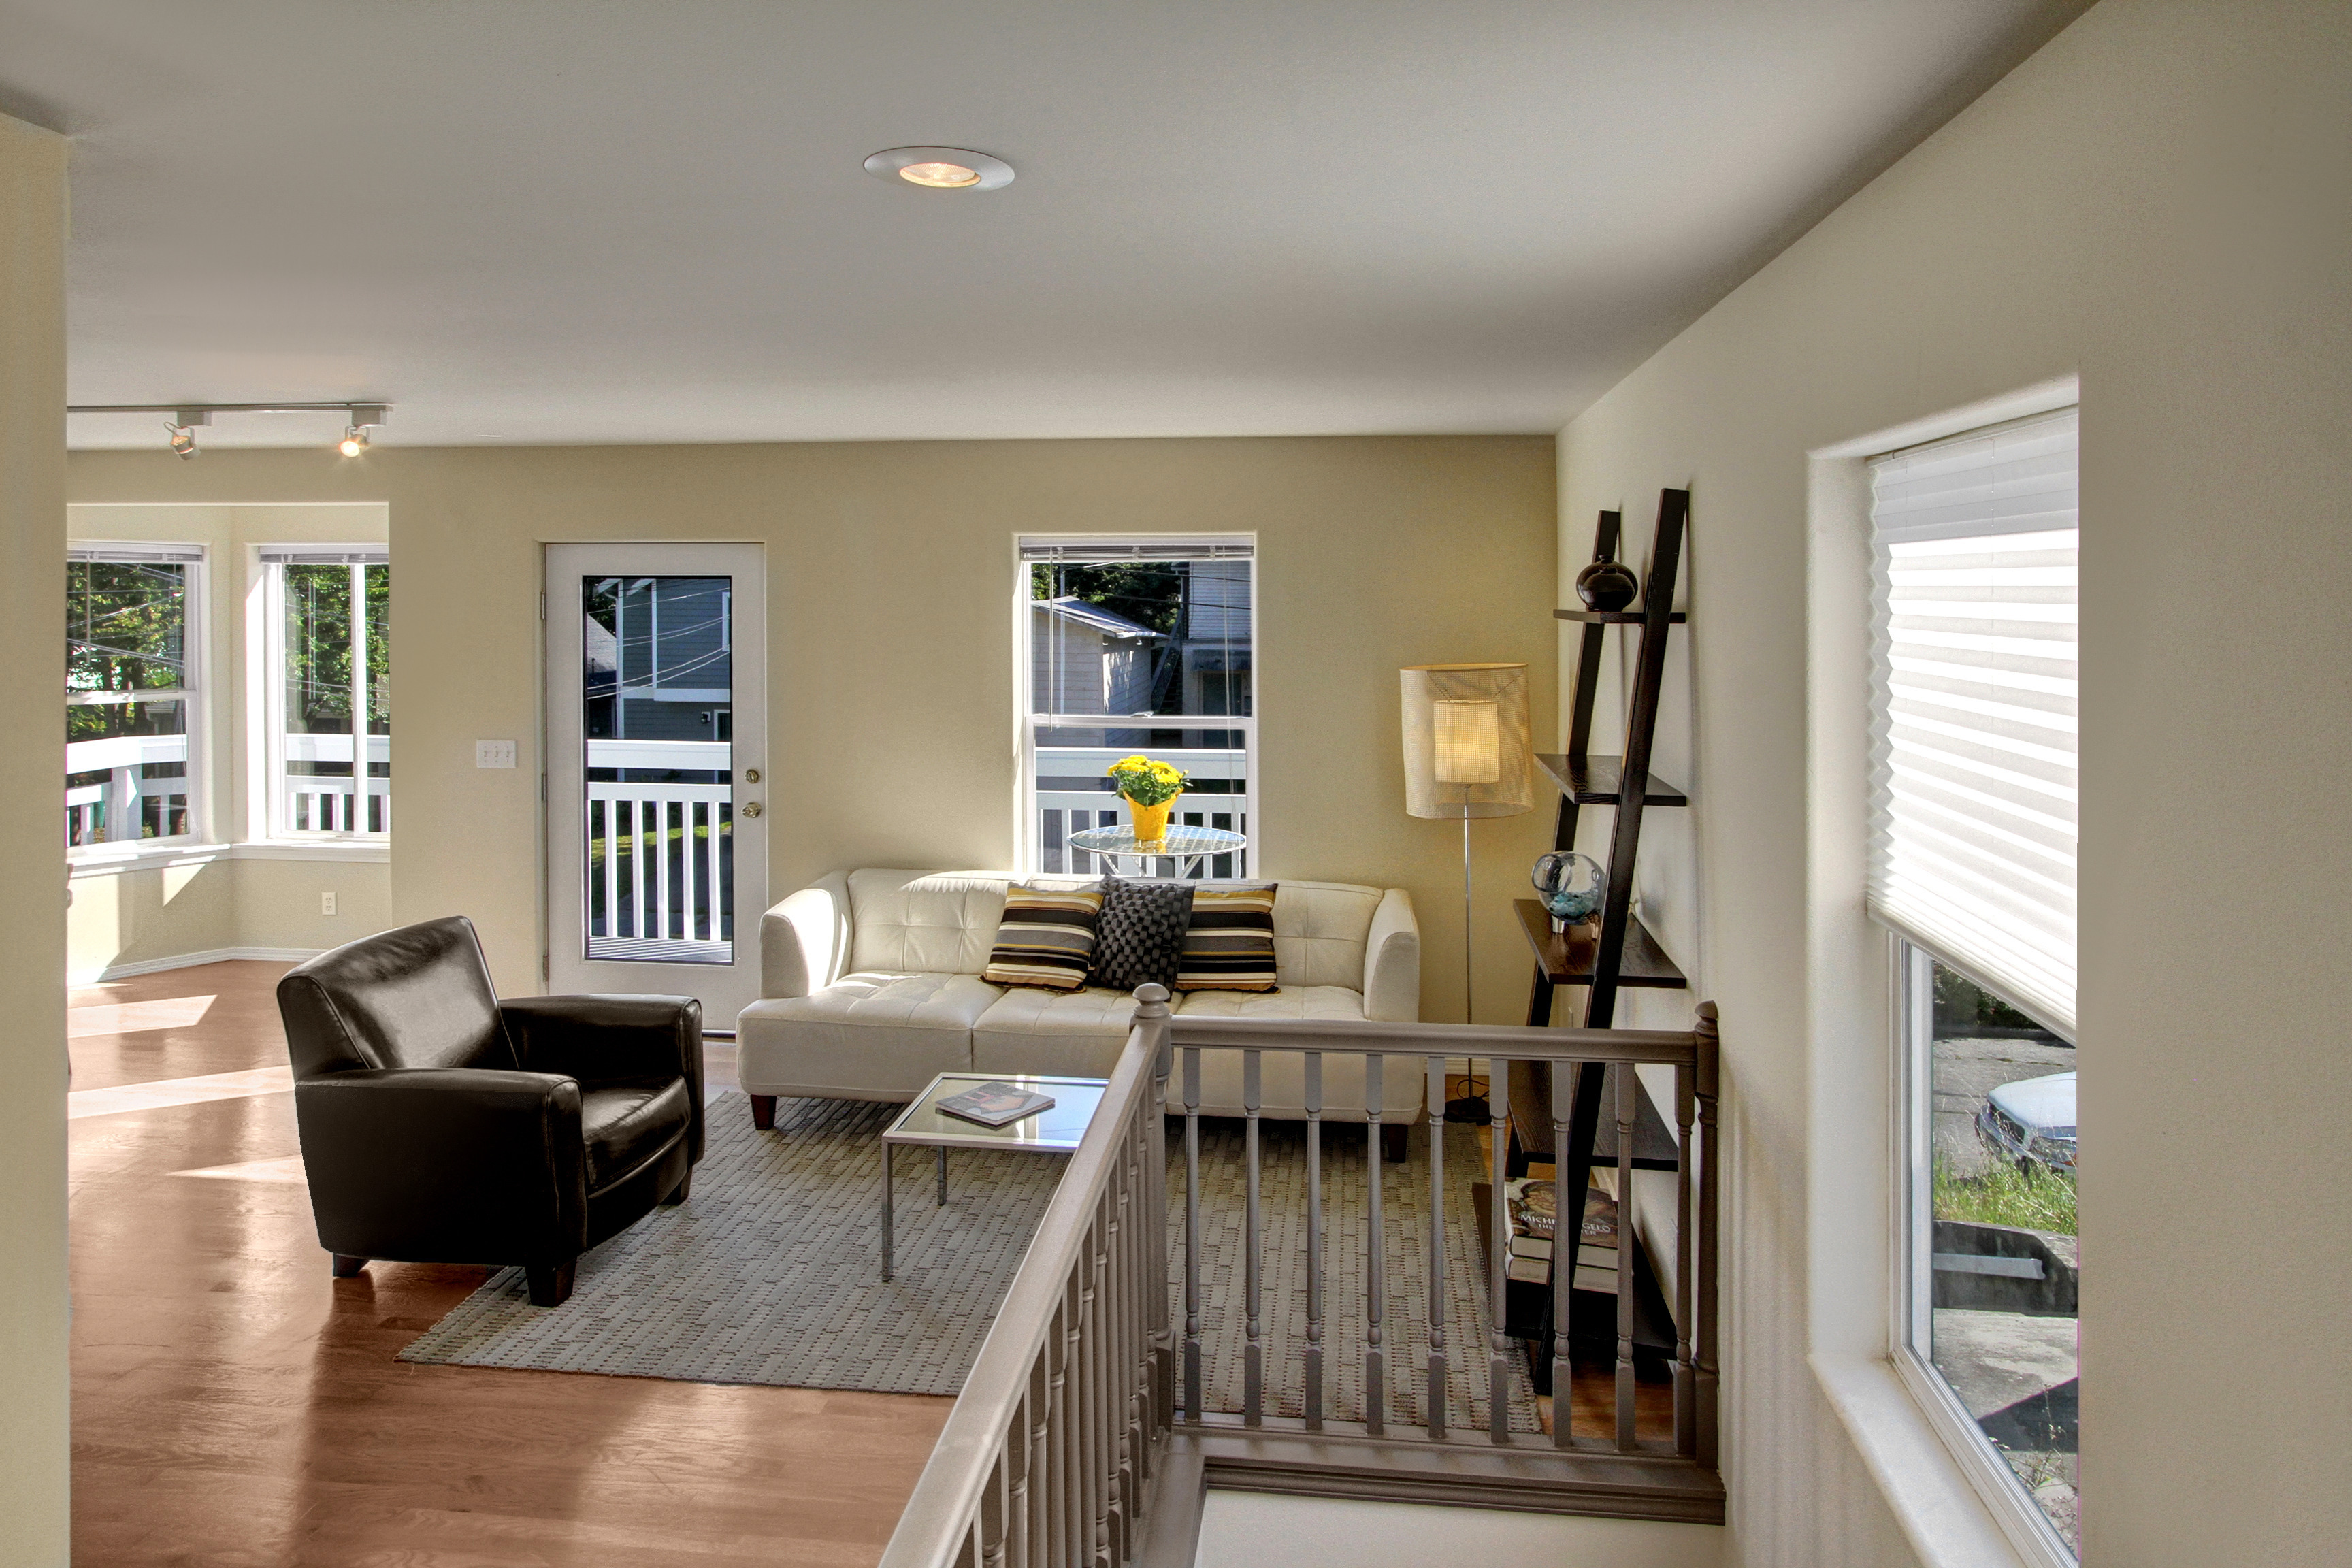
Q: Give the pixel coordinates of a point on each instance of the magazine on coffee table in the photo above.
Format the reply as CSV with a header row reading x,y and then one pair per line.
x,y
995,1104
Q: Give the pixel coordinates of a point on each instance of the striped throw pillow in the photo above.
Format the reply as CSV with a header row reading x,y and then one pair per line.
x,y
1048,938
1229,946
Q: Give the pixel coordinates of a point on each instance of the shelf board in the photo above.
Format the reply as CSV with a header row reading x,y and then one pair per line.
x,y
1595,781
1570,961
1615,617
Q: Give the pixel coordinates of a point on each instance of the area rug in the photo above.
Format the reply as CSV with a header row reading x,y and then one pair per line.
x,y
772,1274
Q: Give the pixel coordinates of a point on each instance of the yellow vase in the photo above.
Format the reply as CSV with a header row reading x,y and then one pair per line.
x,y
1150,821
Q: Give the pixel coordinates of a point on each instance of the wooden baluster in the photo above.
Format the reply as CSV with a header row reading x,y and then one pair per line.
x,y
1628,1086
991,1511
1193,1233
1376,1283
1710,1074
1314,1083
1434,1096
1499,1253
1152,1012
1064,1436
1037,1511
1566,1239
1253,1348
1685,1392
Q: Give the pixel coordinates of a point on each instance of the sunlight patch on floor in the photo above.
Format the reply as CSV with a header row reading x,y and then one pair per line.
x,y
131,1017
84,1102
287,1169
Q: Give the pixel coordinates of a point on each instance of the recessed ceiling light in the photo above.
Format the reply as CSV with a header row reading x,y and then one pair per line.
x,y
941,168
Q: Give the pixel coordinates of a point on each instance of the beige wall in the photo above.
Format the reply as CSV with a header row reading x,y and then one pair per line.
x,y
206,903
890,582
2156,201
33,1393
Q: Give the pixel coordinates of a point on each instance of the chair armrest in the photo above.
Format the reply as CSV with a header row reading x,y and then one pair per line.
x,y
1392,962
446,1164
805,940
598,1040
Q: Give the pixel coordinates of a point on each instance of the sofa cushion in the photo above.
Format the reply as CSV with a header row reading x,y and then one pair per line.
x,y
623,1123
866,1037
1229,946
1046,938
1141,939
923,922
1075,1034
1319,932
1283,1074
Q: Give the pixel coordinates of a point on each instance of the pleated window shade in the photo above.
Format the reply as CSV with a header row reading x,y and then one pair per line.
x,y
1974,686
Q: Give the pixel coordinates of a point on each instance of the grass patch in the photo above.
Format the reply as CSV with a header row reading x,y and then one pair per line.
x,y
2032,1198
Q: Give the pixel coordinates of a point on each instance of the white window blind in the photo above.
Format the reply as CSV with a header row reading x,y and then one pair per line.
x,y
325,555
1974,692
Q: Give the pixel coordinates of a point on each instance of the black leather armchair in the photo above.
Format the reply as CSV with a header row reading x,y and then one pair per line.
x,y
441,1125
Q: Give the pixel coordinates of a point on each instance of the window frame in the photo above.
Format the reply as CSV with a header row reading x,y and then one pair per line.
x,y
1028,839
269,700
1912,1019
195,687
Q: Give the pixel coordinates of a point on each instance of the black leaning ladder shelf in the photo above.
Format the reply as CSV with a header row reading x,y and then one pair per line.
x,y
1623,953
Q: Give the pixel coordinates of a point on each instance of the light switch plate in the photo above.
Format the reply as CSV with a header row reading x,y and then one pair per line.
x,y
493,754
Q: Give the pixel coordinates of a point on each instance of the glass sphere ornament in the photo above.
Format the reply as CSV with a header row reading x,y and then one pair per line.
x,y
1573,885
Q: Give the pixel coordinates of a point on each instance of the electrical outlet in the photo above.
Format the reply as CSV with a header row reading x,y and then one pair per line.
x,y
326,903
493,754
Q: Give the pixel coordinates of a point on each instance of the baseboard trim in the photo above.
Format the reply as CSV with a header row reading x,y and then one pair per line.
x,y
189,960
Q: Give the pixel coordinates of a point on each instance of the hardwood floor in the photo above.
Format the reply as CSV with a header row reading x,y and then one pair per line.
x,y
235,1404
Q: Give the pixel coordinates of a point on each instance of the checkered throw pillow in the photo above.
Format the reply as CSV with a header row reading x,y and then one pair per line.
x,y
1142,935
1046,938
1229,946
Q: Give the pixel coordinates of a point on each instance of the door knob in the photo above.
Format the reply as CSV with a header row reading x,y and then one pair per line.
x,y
751,808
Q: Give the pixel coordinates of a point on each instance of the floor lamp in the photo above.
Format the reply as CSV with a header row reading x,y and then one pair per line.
x,y
1466,757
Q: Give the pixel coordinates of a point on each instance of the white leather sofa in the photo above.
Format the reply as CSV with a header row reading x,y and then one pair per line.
x,y
871,986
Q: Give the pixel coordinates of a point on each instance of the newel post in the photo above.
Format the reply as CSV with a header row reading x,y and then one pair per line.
x,y
1708,1089
1151,1015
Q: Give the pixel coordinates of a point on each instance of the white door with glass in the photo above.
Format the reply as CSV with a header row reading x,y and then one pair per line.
x,y
657,768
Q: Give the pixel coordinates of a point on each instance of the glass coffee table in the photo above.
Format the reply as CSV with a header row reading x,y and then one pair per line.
x,y
1181,844
1053,1131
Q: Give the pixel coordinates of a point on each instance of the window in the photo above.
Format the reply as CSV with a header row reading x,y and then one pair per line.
x,y
1136,644
329,698
1972,867
130,683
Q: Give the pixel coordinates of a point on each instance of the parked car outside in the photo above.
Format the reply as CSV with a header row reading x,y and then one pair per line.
x,y
2031,1120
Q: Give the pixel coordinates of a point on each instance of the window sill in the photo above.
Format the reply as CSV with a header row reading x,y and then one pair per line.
x,y
1941,1513
363,851
105,860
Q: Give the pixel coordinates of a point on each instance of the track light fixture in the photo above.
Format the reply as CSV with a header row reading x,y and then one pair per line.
x,y
186,416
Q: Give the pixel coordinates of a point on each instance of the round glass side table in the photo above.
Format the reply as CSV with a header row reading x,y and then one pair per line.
x,y
1182,845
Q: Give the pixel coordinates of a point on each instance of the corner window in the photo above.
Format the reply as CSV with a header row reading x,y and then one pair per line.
x,y
1972,862
1136,645
131,682
330,695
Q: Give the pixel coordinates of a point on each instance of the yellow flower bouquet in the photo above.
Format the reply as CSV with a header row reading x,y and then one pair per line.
x,y
1147,783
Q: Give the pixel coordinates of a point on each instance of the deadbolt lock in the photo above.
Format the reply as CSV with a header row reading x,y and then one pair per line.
x,y
750,775
751,808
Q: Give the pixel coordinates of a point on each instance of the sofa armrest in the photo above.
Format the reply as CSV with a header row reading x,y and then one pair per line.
x,y
446,1164
599,1039
1392,962
805,940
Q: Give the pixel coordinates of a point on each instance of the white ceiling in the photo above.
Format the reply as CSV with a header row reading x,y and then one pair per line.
x,y
593,221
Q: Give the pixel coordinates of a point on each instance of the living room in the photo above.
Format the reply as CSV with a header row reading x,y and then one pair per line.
x,y
2034,208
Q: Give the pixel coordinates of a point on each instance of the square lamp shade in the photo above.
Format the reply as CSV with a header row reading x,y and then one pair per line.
x,y
1466,741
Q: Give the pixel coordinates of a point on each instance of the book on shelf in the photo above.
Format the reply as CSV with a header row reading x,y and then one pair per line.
x,y
1532,1204
995,1104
